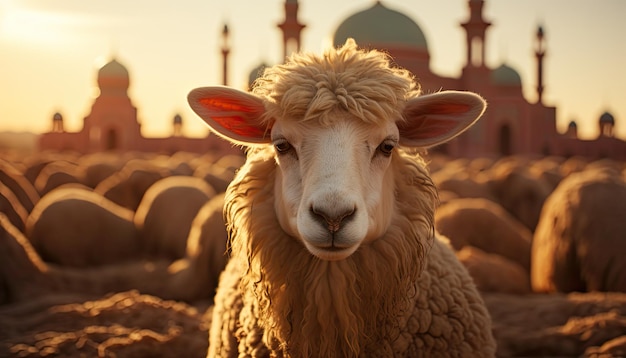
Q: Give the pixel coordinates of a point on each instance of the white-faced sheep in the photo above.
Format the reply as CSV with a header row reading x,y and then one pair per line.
x,y
166,212
331,217
580,241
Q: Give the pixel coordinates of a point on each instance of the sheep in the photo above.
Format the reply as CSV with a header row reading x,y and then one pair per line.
x,y
127,187
24,190
579,244
518,191
99,166
23,273
494,273
166,212
76,227
12,207
485,225
333,250
57,173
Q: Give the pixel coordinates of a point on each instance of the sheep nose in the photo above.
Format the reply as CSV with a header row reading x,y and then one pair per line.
x,y
332,219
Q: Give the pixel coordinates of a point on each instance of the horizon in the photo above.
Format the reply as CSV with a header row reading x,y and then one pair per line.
x,y
53,49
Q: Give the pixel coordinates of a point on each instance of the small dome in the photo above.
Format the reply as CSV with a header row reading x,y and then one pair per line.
x,y
608,118
572,124
379,25
505,76
178,119
256,73
57,117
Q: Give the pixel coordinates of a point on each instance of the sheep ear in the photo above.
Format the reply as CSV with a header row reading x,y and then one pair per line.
x,y
232,114
436,118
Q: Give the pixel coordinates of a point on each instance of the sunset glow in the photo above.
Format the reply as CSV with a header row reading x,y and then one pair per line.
x,y
51,51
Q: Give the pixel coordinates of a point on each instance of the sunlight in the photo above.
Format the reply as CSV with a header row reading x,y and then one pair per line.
x,y
31,26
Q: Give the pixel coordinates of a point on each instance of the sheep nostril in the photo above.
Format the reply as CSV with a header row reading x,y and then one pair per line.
x,y
332,221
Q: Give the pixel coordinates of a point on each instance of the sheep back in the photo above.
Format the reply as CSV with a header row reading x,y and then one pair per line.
x,y
76,227
166,212
485,225
579,244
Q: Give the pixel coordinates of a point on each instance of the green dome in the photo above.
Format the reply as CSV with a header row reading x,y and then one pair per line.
x,y
505,76
380,25
256,73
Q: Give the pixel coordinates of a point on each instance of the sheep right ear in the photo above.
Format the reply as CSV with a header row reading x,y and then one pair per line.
x,y
436,118
232,114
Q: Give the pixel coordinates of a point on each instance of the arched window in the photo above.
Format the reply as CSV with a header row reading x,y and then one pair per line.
x,y
505,140
111,139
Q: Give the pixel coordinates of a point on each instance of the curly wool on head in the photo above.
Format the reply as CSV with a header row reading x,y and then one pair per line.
x,y
310,87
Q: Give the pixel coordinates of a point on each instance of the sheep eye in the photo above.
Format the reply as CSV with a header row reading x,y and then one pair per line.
x,y
387,147
282,146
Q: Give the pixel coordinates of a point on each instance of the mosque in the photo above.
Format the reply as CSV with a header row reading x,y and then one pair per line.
x,y
511,125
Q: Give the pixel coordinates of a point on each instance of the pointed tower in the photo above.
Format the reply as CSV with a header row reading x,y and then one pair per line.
x,y
291,28
225,52
540,51
475,29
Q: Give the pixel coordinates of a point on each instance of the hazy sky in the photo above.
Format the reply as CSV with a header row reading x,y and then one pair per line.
x,y
50,51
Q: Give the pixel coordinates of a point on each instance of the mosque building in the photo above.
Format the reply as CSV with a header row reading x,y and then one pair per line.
x,y
511,125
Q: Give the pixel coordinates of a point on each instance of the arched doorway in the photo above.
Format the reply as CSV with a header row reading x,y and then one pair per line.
x,y
504,142
111,140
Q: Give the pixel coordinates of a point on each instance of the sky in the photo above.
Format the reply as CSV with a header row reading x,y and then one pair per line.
x,y
50,51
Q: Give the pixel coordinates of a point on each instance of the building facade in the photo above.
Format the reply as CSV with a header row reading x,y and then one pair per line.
x,y
112,125
510,126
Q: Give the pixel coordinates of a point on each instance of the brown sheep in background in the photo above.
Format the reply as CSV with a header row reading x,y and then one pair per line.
x,y
76,227
24,275
206,254
127,187
216,175
57,173
518,191
494,273
485,225
166,212
12,208
580,242
97,167
24,190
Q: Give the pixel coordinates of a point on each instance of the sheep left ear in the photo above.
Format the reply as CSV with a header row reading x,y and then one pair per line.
x,y
232,114
436,118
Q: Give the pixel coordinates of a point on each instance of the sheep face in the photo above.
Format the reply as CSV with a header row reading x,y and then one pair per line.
x,y
334,189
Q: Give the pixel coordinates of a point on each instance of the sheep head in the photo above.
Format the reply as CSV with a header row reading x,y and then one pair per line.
x,y
335,123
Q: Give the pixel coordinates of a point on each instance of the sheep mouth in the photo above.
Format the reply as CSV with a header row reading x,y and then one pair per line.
x,y
332,252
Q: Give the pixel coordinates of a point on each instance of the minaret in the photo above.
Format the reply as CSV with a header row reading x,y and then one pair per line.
x,y
291,28
540,51
475,29
225,52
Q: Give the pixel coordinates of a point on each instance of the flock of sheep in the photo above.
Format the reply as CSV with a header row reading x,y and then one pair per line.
x,y
120,255
100,248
